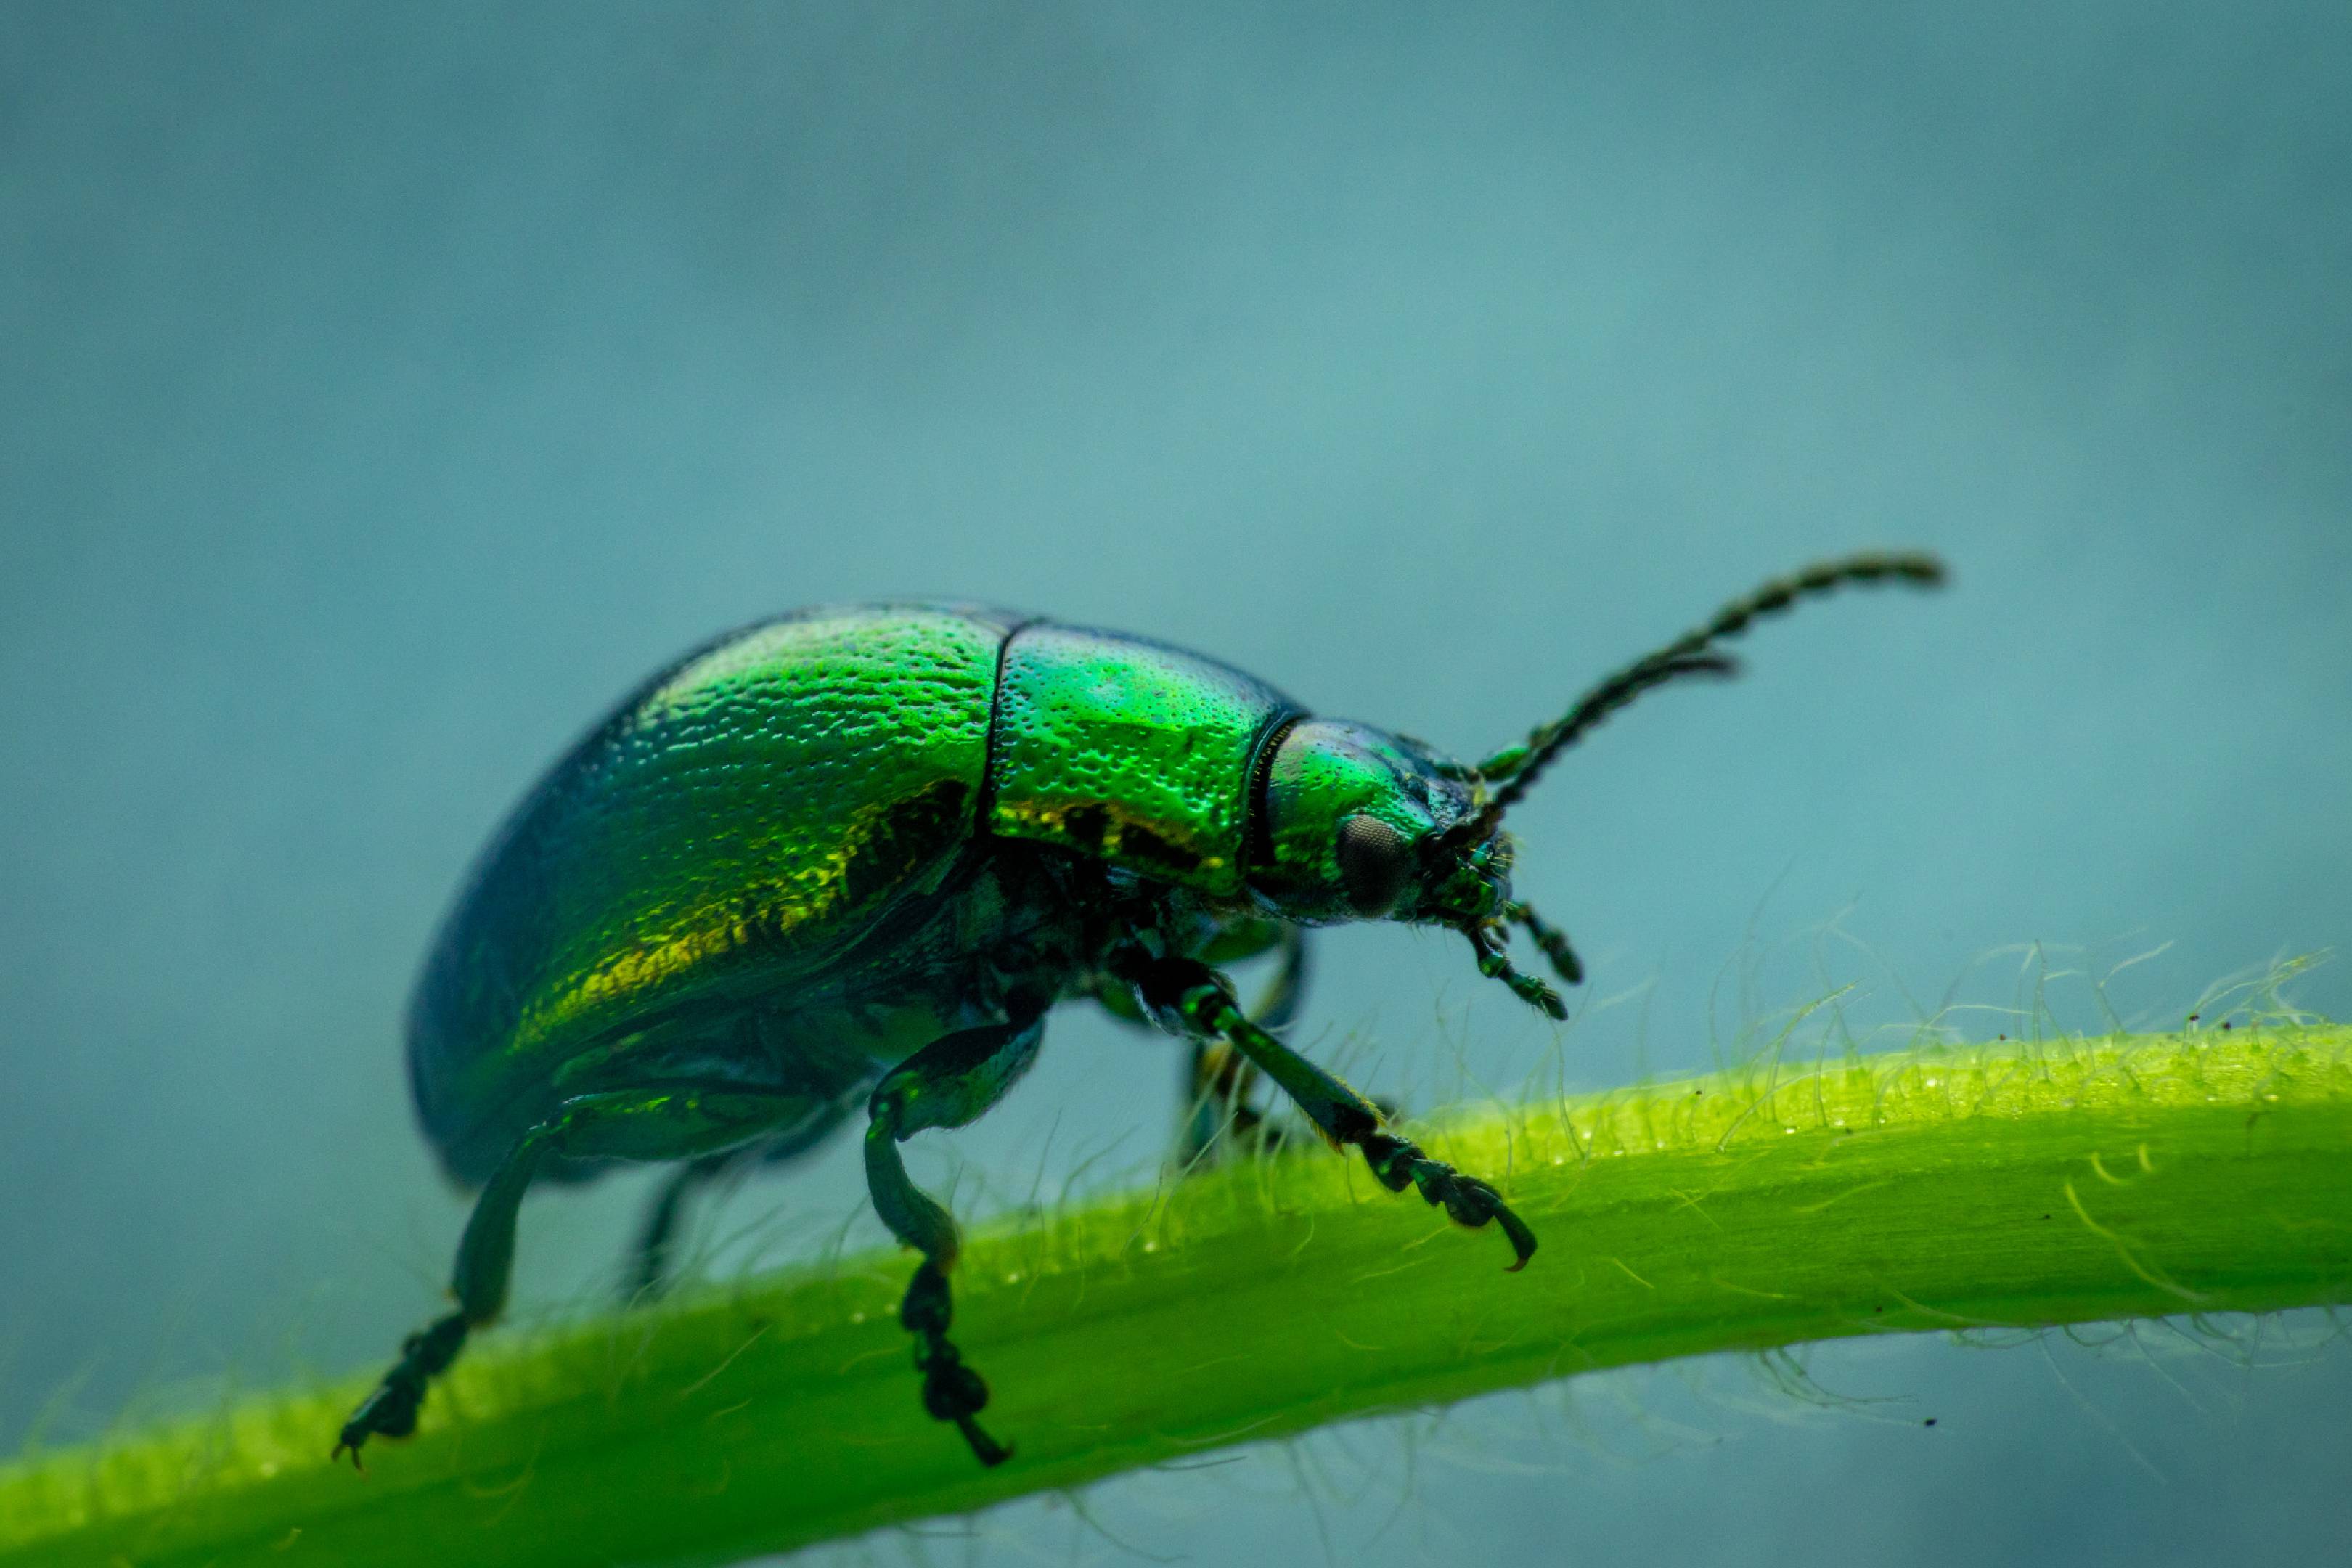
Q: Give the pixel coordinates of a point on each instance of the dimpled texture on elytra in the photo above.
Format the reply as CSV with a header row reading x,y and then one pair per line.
x,y
1129,752
735,823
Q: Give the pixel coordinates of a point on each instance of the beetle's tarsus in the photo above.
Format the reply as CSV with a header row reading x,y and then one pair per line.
x,y
348,1441
952,1391
1523,1240
390,1410
946,1084
1551,938
1343,1116
1487,940
1399,1162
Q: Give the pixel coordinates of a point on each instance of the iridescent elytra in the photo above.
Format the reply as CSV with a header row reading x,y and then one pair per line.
x,y
848,858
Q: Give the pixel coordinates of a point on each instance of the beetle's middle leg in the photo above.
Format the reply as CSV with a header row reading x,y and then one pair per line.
x,y
1196,996
656,1121
947,1083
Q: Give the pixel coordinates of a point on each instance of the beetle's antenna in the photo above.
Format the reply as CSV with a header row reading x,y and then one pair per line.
x,y
1520,765
1689,655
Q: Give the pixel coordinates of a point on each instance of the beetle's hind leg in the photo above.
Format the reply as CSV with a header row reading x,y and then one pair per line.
x,y
656,1121
947,1083
651,1274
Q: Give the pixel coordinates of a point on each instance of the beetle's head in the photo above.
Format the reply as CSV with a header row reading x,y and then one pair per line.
x,y
1359,825
1356,823
1351,819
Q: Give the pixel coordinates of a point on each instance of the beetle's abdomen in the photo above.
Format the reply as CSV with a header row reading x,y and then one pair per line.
x,y
734,826
1136,754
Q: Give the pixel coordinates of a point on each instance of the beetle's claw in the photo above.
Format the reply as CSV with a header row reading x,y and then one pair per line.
x,y
389,1412
1523,1240
985,1448
1397,1165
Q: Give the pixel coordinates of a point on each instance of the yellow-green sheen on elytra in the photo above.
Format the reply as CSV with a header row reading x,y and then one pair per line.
x,y
1130,751
760,806
742,817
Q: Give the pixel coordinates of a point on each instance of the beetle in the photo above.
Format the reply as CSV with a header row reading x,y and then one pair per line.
x,y
851,857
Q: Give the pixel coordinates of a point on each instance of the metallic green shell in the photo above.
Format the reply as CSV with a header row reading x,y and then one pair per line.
x,y
731,829
1139,755
684,884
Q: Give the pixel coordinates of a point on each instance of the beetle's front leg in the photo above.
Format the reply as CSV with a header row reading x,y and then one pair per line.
x,y
1219,1082
947,1083
1202,1002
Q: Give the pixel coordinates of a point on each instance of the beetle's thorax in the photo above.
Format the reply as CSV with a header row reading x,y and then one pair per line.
x,y
1135,755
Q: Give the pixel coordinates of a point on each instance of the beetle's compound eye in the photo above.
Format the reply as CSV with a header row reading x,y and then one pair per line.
x,y
1375,864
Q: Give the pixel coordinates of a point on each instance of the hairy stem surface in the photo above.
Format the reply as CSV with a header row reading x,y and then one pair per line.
x,y
2022,1185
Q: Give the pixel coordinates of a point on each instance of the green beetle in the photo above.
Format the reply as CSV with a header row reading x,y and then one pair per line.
x,y
850,858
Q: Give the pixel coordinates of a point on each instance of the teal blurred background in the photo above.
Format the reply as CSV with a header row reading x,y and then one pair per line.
x,y
384,389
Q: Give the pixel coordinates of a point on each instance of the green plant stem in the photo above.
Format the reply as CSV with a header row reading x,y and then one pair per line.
x,y
2012,1184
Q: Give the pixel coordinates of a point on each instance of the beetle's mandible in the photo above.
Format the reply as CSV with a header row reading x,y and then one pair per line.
x,y
848,859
